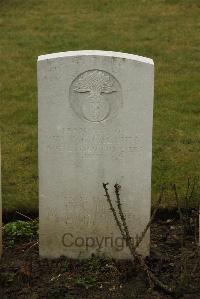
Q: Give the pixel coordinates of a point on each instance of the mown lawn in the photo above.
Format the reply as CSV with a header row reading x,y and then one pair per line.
x,y
166,30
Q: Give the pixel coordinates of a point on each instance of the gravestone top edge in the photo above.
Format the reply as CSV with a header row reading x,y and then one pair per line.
x,y
96,53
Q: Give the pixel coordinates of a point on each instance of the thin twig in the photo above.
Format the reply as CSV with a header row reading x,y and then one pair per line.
x,y
28,249
113,210
121,214
139,240
126,236
195,181
186,194
197,253
25,216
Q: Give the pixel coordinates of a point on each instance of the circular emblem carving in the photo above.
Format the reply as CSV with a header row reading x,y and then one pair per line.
x,y
95,95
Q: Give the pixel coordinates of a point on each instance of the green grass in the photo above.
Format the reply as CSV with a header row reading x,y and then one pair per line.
x,y
166,30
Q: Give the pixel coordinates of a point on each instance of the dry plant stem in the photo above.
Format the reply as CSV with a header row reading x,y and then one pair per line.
x,y
28,249
132,248
113,210
124,231
25,216
197,264
195,182
187,193
126,236
123,219
151,219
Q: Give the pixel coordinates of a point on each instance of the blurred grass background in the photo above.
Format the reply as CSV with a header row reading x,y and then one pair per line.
x,y
166,30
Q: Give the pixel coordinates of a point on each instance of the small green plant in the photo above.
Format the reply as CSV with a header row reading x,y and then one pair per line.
x,y
20,231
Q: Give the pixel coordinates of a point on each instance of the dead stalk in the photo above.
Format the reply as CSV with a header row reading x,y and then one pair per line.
x,y
126,236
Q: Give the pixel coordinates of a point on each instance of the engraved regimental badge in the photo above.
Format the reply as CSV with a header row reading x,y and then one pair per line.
x,y
95,96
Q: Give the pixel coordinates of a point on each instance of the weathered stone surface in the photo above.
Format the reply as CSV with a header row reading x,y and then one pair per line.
x,y
95,126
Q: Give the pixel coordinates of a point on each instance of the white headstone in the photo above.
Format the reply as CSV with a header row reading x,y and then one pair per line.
x,y
95,126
